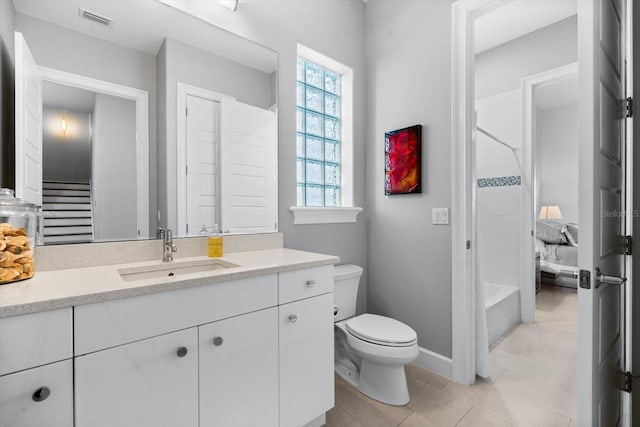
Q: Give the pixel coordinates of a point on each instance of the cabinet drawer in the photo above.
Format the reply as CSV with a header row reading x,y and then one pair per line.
x,y
34,339
108,324
22,405
300,284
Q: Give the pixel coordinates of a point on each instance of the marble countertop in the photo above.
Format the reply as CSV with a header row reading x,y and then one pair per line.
x,y
54,289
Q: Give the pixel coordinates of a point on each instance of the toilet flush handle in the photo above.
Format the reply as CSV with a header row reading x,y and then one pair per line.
x,y
311,283
293,318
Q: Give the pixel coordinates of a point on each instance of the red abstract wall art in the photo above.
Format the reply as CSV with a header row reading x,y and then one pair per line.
x,y
402,166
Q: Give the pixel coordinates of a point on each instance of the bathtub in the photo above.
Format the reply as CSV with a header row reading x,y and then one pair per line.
x,y
502,306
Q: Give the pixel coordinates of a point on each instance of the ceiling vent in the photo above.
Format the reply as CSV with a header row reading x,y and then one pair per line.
x,y
92,16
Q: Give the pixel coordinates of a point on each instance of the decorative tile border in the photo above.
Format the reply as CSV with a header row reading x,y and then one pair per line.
x,y
501,181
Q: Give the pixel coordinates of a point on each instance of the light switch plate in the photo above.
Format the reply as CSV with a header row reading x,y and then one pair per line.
x,y
440,216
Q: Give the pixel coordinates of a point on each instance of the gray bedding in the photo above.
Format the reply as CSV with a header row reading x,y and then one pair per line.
x,y
556,257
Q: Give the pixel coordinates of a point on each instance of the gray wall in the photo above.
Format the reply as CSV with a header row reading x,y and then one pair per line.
x,y
7,91
409,82
114,168
66,157
179,62
501,68
334,28
558,168
57,47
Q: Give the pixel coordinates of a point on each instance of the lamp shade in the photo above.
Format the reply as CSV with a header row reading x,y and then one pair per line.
x,y
550,212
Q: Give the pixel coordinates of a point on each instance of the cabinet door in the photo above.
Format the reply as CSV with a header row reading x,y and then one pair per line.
x,y
306,360
38,397
151,383
239,371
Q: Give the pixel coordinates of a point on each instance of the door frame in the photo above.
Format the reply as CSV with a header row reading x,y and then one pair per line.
x,y
463,202
527,247
141,99
184,90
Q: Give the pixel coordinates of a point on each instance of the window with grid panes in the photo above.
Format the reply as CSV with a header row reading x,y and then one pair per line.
x,y
319,134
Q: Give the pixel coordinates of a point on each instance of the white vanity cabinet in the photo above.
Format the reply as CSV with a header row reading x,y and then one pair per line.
x,y
254,351
153,382
239,371
36,374
306,346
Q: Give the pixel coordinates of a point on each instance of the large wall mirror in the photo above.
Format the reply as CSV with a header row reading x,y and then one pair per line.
x,y
151,118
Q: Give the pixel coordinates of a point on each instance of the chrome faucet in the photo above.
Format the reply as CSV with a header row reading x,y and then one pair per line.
x,y
168,246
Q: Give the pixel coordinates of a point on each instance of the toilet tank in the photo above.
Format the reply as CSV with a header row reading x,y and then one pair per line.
x,y
346,280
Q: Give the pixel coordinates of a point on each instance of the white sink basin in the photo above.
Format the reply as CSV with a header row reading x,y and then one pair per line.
x,y
173,269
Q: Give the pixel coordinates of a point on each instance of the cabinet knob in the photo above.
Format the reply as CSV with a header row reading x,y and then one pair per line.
x,y
217,341
41,394
182,351
293,318
311,283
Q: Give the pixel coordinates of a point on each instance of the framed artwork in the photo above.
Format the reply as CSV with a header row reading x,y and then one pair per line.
x,y
402,161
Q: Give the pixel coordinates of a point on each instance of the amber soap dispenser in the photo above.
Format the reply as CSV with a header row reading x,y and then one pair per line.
x,y
214,246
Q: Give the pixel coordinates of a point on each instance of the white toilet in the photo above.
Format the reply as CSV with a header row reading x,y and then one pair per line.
x,y
370,350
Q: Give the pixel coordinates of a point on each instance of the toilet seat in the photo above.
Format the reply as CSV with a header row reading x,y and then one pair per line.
x,y
381,330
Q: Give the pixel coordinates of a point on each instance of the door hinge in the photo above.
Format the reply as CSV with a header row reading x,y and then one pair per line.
x,y
187,228
629,107
626,381
186,170
186,111
628,245
468,244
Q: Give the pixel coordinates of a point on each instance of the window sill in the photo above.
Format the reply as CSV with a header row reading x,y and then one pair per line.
x,y
324,215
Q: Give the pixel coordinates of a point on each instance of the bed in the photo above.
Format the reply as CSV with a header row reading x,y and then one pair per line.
x,y
557,243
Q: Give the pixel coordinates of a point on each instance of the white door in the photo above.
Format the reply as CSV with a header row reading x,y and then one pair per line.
x,y
202,155
239,370
602,205
148,383
248,168
28,100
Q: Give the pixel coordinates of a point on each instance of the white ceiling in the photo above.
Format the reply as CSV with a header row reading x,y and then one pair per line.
x,y
67,97
517,18
557,94
143,25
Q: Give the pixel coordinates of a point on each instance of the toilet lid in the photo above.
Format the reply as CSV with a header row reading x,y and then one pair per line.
x,y
381,330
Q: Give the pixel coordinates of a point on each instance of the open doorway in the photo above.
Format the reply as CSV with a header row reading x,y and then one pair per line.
x,y
604,172
526,163
89,163
531,360
72,130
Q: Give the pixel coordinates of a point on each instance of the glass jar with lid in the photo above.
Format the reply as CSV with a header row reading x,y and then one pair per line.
x,y
20,230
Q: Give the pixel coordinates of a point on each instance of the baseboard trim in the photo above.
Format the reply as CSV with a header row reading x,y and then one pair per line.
x,y
434,362
318,422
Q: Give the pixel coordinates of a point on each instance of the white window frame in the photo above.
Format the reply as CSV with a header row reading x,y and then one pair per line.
x,y
346,212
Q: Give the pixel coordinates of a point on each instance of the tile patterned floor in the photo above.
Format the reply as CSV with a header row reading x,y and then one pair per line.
x,y
532,381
